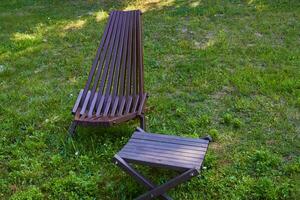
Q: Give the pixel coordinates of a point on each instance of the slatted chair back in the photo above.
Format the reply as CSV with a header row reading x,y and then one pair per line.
x,y
117,70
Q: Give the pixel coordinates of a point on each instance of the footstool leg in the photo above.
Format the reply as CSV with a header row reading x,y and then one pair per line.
x,y
140,178
169,185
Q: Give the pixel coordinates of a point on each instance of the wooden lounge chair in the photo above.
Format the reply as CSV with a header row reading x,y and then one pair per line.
x,y
114,91
172,152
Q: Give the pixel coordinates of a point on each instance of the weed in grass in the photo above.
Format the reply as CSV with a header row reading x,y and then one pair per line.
x,y
214,133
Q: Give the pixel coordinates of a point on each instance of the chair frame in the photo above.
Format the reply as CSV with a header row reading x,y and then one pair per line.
x,y
114,92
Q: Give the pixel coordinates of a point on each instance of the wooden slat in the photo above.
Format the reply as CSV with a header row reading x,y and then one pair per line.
x,y
102,59
138,87
175,137
116,48
107,106
155,163
142,102
159,144
187,153
173,141
121,54
153,160
121,83
95,63
108,56
92,106
121,107
134,56
77,102
129,57
85,102
128,105
135,103
140,53
115,105
100,105
168,148
161,158
170,139
164,154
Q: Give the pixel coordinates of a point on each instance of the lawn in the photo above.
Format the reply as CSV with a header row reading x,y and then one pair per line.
x,y
227,68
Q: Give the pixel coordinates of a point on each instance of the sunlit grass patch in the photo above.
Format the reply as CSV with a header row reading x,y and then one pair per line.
x,y
78,24
101,15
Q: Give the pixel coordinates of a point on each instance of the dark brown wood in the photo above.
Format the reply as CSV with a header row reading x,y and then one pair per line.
x,y
107,106
92,106
95,63
140,53
85,103
121,54
134,59
128,104
114,90
140,178
102,55
142,103
165,150
122,104
142,121
168,185
166,144
141,130
100,106
158,162
135,104
109,57
130,55
158,150
172,140
114,108
169,137
77,102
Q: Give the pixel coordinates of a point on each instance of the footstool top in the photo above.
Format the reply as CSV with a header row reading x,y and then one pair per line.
x,y
179,153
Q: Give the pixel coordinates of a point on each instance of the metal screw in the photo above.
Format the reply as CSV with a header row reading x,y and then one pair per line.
x,y
116,162
192,174
151,195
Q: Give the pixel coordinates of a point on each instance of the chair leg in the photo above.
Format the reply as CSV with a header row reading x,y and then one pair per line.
x,y
142,122
141,179
72,128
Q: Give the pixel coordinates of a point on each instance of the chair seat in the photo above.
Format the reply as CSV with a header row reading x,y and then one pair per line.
x,y
108,109
168,151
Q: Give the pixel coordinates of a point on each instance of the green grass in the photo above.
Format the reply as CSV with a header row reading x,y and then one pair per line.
x,y
227,68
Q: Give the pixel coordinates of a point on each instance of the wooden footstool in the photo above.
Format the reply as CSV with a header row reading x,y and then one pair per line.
x,y
177,153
